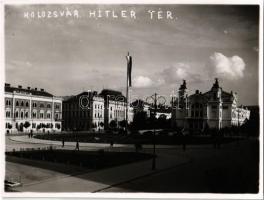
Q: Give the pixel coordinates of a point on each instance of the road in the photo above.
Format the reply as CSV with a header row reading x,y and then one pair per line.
x,y
232,168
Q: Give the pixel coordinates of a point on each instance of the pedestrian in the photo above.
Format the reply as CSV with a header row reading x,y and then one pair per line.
x,y
77,146
62,142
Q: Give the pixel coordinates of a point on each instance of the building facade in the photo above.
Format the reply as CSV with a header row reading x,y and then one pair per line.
x,y
92,111
213,109
29,110
115,108
83,112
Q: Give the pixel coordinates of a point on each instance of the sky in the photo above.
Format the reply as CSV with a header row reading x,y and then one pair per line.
x,y
67,55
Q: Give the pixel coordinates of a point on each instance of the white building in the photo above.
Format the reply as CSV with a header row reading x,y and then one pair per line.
x,y
214,109
29,110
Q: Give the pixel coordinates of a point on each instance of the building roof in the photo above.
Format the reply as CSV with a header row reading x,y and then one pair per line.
x,y
33,91
76,97
113,95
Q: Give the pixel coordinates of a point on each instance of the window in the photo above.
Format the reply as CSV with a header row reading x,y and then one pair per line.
x,y
27,104
26,115
34,115
22,103
41,115
57,106
41,105
48,115
16,114
17,103
8,114
48,106
8,102
22,115
33,125
34,104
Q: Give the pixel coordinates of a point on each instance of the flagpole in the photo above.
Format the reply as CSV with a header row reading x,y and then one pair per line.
x,y
127,96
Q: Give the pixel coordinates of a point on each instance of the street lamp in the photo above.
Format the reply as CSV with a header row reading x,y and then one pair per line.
x,y
154,98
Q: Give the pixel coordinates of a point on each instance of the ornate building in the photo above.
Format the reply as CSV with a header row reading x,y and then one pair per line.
x,y
213,109
29,109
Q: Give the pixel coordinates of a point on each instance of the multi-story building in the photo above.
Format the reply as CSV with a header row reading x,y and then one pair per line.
x,y
83,112
29,110
115,107
213,109
90,111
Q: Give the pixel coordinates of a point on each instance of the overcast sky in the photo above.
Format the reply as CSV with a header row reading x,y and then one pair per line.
x,y
66,55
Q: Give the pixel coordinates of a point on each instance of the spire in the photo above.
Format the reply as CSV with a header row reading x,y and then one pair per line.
x,y
216,84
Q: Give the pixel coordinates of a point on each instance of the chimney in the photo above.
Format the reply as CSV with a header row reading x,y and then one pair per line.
x,y
7,85
28,88
42,90
20,87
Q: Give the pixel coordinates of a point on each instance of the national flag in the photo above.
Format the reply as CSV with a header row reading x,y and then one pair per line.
x,y
129,69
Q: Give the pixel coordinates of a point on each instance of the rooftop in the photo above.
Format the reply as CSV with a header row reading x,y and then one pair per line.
x,y
33,91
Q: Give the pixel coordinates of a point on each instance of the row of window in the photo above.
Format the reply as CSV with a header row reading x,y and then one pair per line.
x,y
117,113
34,115
34,104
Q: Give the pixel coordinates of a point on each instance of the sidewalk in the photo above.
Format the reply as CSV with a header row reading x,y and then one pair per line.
x,y
84,145
96,181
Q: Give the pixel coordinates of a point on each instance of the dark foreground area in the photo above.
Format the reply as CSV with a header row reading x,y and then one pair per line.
x,y
87,159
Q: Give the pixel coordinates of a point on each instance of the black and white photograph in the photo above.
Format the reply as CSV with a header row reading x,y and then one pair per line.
x,y
132,98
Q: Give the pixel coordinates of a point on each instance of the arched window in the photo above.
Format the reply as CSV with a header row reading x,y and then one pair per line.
x,y
16,114
17,104
27,104
21,114
26,115
8,114
22,103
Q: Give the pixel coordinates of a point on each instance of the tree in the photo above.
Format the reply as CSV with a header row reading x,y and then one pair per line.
x,y
113,124
58,126
122,123
26,124
139,121
9,126
101,124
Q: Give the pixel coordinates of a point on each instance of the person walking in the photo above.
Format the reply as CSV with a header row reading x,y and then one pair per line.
x,y
77,146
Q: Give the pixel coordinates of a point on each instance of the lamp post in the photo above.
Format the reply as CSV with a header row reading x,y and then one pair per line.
x,y
154,98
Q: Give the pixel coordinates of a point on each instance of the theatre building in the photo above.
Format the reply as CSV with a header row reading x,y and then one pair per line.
x,y
31,109
213,109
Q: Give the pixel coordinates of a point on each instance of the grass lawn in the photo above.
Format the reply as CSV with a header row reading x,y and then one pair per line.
x,y
87,159
131,139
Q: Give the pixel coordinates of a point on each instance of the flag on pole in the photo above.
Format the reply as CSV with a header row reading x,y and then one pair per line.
x,y
129,69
